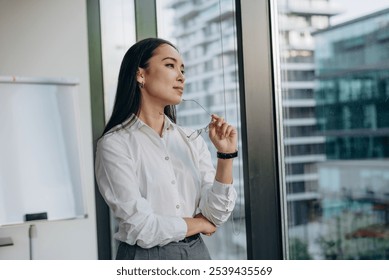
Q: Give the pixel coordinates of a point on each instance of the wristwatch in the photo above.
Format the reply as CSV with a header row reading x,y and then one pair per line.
x,y
227,156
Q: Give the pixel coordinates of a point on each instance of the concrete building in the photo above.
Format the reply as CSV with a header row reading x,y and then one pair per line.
x,y
303,147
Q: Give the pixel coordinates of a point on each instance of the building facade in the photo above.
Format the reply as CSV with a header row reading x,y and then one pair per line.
x,y
302,145
353,88
352,108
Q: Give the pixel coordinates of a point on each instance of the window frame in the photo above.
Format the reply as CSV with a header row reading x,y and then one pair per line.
x,y
262,150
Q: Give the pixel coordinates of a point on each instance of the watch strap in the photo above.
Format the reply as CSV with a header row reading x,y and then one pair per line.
x,y
227,155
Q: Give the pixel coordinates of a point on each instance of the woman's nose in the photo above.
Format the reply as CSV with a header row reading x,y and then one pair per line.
x,y
181,77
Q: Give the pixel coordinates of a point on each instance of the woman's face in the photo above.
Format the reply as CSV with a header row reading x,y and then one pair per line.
x,y
164,77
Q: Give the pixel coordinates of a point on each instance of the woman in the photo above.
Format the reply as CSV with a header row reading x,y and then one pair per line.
x,y
162,188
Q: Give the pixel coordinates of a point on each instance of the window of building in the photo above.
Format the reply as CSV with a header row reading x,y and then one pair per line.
x,y
117,35
216,37
117,23
336,173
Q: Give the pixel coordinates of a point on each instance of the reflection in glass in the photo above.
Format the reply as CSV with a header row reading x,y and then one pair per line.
x,y
205,33
335,81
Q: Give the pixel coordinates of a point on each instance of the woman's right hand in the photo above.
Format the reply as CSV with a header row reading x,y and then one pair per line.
x,y
208,227
199,224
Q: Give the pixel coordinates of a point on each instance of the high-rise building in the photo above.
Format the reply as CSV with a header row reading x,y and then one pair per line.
x,y
303,147
352,66
352,97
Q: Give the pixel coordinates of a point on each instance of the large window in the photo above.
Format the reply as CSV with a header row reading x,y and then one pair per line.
x,y
117,36
335,77
205,33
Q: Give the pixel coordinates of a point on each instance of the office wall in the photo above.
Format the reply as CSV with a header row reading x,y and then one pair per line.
x,y
48,38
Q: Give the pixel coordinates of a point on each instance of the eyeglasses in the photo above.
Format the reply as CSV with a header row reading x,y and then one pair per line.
x,y
197,132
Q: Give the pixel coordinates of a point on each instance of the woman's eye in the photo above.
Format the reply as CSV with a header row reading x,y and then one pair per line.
x,y
170,65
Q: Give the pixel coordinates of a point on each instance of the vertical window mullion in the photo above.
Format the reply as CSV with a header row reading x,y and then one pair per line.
x,y
259,137
145,19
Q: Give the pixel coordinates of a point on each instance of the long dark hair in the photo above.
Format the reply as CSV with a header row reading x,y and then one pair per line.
x,y
128,97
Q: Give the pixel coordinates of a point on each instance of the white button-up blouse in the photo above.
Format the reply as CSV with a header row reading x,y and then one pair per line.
x,y
151,183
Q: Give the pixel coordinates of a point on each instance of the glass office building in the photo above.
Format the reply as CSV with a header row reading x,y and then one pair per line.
x,y
353,82
352,93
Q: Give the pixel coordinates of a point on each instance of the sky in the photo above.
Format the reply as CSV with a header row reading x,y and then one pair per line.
x,y
357,8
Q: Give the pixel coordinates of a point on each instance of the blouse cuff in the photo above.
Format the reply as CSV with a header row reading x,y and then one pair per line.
x,y
181,228
222,189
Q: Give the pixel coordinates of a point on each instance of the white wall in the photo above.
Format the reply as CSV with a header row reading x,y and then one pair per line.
x,y
48,38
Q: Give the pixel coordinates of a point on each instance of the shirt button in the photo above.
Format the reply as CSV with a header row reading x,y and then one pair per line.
x,y
173,182
167,158
178,206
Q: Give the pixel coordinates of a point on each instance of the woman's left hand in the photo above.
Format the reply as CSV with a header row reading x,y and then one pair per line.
x,y
223,135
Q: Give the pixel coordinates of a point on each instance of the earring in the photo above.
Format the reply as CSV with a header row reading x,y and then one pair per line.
x,y
142,84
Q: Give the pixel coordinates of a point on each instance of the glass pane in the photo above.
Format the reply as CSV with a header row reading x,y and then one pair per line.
x,y
117,36
205,33
335,93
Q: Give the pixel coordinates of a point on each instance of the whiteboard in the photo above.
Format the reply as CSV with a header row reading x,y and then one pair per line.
x,y
40,153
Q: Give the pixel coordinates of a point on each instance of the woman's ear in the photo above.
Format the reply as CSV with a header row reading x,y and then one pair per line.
x,y
140,75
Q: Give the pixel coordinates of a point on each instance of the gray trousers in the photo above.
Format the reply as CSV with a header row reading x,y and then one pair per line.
x,y
191,248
